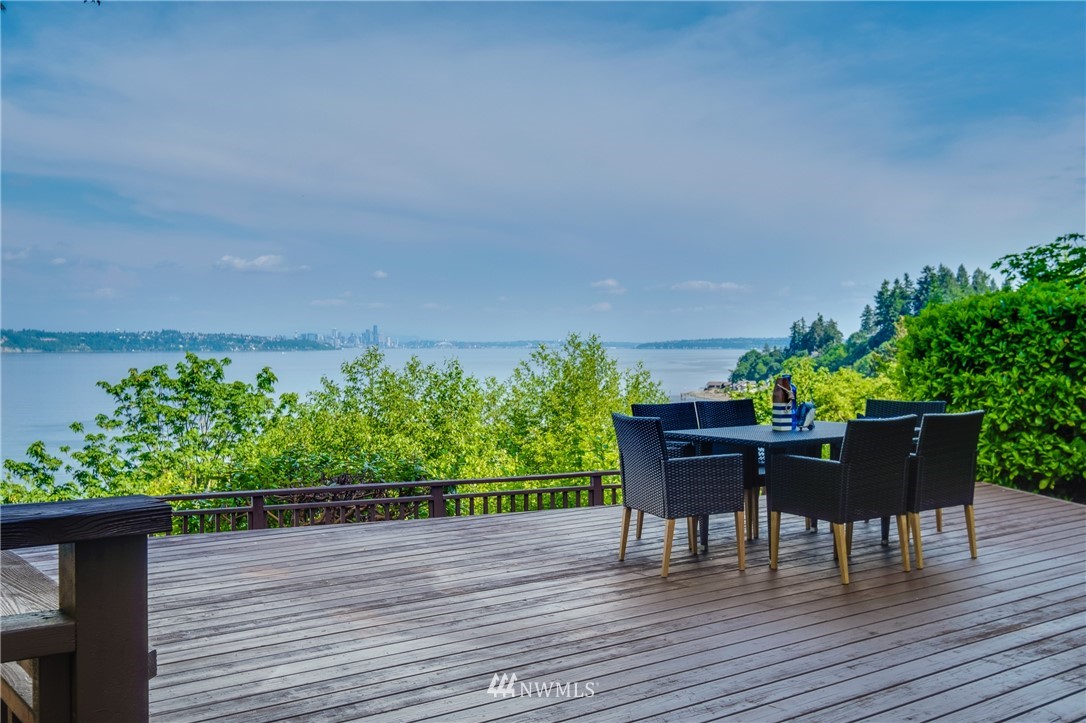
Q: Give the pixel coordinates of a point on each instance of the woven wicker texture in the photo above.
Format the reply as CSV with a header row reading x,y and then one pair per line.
x,y
672,415
673,487
725,412
734,413
884,408
944,467
868,481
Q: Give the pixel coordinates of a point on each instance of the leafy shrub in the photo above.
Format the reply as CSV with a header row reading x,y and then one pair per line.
x,y
1021,356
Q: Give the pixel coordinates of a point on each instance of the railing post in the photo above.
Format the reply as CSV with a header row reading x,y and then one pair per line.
x,y
437,500
259,519
102,568
595,491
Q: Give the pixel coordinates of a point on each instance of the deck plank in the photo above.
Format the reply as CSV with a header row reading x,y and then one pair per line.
x,y
403,621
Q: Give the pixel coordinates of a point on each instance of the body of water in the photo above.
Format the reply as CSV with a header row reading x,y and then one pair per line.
x,y
44,393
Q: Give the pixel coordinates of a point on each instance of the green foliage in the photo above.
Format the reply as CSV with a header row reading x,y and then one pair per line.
x,y
383,424
192,431
167,433
555,415
1062,260
811,340
1020,356
757,366
838,395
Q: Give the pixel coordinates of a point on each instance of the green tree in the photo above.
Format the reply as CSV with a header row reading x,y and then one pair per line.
x,y
1062,260
556,411
378,423
756,366
179,432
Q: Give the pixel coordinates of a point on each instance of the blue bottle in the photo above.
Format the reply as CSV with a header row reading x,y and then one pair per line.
x,y
795,407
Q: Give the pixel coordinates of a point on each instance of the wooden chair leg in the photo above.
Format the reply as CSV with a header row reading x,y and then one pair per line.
x,y
938,520
669,532
839,545
807,523
972,530
774,537
918,548
903,542
625,532
640,519
740,541
692,534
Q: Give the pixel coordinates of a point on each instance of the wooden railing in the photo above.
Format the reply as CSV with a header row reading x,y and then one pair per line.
x,y
88,659
303,506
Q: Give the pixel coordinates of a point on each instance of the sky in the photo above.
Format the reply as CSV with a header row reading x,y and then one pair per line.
x,y
496,171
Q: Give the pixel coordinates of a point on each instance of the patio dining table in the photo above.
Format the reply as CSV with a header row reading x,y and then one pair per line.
x,y
760,435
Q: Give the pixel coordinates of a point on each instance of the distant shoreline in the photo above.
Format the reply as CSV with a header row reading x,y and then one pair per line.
x,y
37,341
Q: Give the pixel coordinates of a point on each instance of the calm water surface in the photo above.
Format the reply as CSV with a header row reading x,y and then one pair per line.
x,y
43,393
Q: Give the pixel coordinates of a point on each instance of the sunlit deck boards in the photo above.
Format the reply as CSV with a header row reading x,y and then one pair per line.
x,y
410,621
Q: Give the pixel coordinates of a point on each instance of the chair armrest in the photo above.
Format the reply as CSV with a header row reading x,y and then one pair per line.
x,y
704,485
806,486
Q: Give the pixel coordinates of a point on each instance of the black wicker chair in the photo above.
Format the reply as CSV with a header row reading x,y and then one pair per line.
x,y
883,408
672,415
870,480
943,471
674,487
725,412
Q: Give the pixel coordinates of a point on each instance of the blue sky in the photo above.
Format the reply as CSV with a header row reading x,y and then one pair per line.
x,y
488,171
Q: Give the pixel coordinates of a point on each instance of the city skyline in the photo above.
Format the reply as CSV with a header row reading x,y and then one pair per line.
x,y
502,171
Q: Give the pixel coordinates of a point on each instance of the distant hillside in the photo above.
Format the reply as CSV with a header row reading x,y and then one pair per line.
x,y
36,340
739,342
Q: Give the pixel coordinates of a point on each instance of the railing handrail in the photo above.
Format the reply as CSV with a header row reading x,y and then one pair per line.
x,y
375,486
54,523
258,509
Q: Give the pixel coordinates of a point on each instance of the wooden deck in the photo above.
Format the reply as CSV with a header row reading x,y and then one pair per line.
x,y
407,621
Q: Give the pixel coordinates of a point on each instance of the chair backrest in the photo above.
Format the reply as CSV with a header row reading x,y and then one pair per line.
x,y
882,408
725,412
641,453
944,468
673,415
876,453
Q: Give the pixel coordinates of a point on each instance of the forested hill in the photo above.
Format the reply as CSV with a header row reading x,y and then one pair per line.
x,y
728,343
36,340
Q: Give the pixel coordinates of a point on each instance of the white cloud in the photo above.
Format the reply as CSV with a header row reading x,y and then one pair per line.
x,y
603,306
327,302
17,255
58,261
380,274
707,286
611,286
269,263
